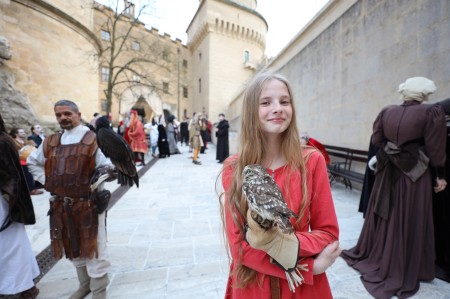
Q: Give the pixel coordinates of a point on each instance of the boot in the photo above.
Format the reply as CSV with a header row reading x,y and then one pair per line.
x,y
98,287
84,280
29,294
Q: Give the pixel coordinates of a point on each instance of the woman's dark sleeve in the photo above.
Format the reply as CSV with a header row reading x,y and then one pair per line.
x,y
435,138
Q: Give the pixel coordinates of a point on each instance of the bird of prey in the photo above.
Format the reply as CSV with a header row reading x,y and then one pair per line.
x,y
118,151
265,200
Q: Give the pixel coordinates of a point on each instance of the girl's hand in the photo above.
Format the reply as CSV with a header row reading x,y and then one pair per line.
x,y
326,258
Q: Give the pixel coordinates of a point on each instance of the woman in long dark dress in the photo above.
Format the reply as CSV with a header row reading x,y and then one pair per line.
x,y
395,250
163,143
223,150
369,179
441,213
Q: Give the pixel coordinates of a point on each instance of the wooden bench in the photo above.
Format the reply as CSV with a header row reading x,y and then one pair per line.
x,y
342,166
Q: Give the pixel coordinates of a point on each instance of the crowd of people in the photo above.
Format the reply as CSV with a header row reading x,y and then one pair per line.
x,y
162,136
37,161
404,239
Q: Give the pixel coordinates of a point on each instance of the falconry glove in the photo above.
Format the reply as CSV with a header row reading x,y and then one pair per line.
x,y
283,248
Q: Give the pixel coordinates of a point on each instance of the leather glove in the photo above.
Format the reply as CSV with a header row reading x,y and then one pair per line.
x,y
111,171
283,248
102,200
106,169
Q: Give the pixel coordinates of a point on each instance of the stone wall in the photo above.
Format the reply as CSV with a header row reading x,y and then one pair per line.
x,y
347,73
15,107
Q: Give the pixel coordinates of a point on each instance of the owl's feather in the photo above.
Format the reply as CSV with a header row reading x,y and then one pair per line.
x,y
265,199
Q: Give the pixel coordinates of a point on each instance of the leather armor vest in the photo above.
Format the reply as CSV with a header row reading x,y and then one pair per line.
x,y
69,167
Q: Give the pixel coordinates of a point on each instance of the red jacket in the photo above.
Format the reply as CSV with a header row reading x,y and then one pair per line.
x,y
318,228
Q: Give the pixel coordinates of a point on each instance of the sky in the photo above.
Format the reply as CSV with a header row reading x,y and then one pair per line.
x,y
284,17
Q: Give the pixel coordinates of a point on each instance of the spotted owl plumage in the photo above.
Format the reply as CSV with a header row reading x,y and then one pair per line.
x,y
265,200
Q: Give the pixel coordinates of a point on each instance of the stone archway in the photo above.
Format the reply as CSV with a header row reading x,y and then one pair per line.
x,y
142,97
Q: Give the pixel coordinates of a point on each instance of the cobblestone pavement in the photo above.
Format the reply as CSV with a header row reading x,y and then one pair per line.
x,y
165,239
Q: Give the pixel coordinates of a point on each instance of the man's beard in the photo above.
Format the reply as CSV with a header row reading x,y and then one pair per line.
x,y
66,126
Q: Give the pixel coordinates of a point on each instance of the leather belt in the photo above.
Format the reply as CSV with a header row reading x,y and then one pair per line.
x,y
275,292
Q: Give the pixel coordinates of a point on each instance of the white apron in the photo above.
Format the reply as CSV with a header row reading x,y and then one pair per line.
x,y
18,265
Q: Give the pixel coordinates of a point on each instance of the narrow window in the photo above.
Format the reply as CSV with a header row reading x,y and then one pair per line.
x,y
199,85
135,46
184,63
103,104
185,92
246,56
166,87
105,74
105,35
129,8
165,56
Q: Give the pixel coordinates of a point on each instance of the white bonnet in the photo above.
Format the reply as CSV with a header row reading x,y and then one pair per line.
x,y
417,88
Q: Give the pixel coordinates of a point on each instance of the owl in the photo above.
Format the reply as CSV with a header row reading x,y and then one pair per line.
x,y
265,200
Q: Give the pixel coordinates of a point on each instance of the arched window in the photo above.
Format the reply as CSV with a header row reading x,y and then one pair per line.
x,y
246,56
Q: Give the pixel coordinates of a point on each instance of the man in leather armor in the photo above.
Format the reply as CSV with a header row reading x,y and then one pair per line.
x,y
65,163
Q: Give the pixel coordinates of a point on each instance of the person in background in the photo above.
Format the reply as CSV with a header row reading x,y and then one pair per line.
x,y
25,148
441,210
261,257
152,129
396,250
369,180
195,138
184,132
307,140
171,135
204,133
223,148
37,134
94,119
163,144
77,222
18,263
137,137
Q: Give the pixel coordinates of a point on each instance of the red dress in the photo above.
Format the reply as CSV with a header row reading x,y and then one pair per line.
x,y
137,137
318,228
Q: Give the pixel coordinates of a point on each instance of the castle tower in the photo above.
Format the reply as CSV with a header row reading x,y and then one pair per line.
x,y
226,40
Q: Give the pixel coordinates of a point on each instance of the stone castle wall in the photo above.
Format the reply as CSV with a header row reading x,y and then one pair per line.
x,y
53,56
350,71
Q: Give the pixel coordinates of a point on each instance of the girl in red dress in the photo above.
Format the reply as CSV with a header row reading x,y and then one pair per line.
x,y
269,137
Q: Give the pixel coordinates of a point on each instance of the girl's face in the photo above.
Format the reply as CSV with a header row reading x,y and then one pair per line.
x,y
275,108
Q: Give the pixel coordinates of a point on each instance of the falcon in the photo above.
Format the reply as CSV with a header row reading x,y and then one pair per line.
x,y
265,200
118,151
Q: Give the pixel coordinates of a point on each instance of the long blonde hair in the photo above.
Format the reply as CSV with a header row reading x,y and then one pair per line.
x,y
251,151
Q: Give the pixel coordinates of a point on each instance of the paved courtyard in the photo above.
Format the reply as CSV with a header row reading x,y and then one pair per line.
x,y
165,239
